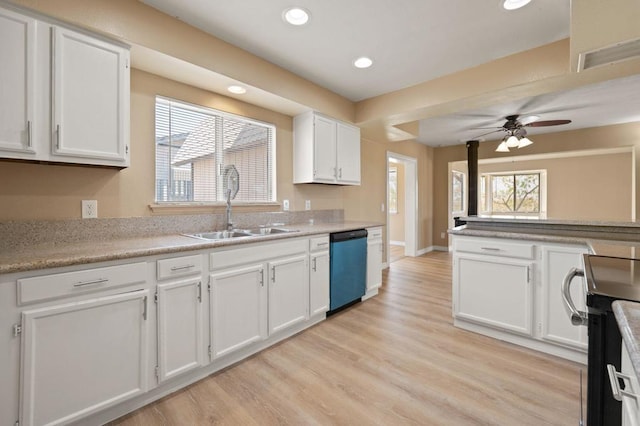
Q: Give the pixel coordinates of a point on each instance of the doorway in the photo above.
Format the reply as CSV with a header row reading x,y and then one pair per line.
x,y
402,190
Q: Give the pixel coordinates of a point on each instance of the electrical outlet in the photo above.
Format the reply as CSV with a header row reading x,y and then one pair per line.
x,y
285,205
382,207
89,209
307,204
442,234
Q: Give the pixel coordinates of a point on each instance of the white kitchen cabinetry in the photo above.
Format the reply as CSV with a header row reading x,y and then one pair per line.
x,y
238,306
180,316
631,395
503,287
288,292
325,150
17,84
555,318
494,291
81,83
319,290
374,261
83,356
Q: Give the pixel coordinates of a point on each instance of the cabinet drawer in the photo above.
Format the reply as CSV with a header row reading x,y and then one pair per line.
x,y
319,243
70,284
492,247
179,266
374,234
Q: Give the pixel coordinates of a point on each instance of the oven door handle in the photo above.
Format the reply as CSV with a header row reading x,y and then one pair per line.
x,y
577,317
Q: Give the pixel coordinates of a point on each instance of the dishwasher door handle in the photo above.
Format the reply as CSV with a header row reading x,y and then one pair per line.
x,y
577,317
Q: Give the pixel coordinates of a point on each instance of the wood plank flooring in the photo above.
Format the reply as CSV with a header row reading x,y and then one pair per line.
x,y
395,359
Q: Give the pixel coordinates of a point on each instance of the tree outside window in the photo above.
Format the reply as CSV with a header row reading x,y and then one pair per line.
x,y
511,193
457,191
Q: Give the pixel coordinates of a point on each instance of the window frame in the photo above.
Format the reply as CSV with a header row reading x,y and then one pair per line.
x,y
271,175
485,194
393,209
462,195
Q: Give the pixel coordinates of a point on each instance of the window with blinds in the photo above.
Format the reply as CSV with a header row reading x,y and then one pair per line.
x,y
197,147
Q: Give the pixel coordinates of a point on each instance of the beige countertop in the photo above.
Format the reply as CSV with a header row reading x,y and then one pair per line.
x,y
52,255
628,318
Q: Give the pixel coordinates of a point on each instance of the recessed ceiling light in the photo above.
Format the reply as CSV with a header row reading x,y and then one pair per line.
x,y
514,4
362,62
296,16
238,90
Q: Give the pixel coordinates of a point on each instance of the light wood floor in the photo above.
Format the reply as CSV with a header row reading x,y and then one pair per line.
x,y
395,359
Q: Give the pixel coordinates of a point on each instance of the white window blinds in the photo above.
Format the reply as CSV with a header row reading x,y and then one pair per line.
x,y
196,147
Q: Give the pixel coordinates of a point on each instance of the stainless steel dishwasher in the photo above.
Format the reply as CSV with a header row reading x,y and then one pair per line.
x,y
348,268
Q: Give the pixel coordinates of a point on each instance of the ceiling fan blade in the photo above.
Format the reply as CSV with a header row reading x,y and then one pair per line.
x,y
485,134
529,119
547,123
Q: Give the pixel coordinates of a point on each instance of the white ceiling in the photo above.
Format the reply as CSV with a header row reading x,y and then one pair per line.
x,y
410,41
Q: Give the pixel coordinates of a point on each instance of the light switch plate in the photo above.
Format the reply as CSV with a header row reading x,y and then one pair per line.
x,y
307,204
285,205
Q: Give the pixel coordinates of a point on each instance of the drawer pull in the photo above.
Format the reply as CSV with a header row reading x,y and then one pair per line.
x,y
92,282
615,385
322,244
490,248
180,268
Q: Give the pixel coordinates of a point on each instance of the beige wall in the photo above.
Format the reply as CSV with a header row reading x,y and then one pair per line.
x,y
595,187
396,220
45,191
623,135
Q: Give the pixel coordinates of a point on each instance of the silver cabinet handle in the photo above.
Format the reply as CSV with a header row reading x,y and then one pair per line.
x,y
58,136
262,277
200,291
180,268
490,248
322,244
340,172
577,317
92,282
29,133
273,272
144,303
615,385
314,264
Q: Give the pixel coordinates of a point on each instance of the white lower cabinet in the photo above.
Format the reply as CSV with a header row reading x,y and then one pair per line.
x,y
512,290
82,357
288,292
495,292
374,259
631,395
555,318
238,308
180,327
319,283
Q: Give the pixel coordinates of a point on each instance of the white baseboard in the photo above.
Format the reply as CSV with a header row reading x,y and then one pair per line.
x,y
396,243
430,249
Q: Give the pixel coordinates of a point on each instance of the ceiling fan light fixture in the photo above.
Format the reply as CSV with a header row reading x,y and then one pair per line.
x,y
525,141
512,142
296,16
514,4
502,147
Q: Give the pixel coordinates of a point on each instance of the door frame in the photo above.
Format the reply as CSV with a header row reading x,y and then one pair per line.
x,y
410,204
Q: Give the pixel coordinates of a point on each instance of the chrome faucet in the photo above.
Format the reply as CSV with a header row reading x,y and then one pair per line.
x,y
229,223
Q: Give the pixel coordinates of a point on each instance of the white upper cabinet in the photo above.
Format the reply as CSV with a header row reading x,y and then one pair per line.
x,y
90,82
17,84
64,93
325,150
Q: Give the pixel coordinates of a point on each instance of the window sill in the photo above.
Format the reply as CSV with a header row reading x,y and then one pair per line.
x,y
203,208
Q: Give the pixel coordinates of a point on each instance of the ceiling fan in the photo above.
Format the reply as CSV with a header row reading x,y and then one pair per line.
x,y
516,134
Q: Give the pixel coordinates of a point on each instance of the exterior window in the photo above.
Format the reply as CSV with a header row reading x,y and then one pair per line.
x,y
197,147
393,190
512,193
457,191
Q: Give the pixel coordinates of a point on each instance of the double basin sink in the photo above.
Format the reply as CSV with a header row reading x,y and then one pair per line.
x,y
240,233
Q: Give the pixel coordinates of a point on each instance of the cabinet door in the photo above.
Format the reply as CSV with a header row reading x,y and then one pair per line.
x,y
180,328
493,291
81,357
348,154
90,100
238,306
17,84
288,292
374,265
319,283
324,149
555,324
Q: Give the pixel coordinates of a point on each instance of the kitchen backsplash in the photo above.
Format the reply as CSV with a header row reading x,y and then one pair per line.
x,y
20,234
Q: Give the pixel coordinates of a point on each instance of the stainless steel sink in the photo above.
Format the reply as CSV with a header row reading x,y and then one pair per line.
x,y
220,235
269,231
